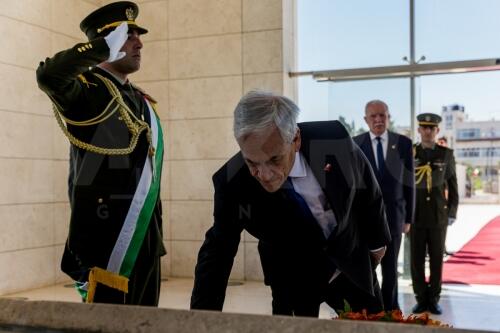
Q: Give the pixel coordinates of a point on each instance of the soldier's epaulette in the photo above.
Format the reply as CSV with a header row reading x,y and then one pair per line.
x,y
143,93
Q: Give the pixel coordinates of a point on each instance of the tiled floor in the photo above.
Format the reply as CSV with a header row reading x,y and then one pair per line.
x,y
471,307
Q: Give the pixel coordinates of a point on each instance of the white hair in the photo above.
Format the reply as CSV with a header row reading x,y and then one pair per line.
x,y
258,110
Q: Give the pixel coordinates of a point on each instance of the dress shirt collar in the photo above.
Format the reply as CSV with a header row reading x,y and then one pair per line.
x,y
299,167
384,136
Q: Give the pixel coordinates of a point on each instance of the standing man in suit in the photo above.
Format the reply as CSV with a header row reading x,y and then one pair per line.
x,y
391,158
434,173
308,194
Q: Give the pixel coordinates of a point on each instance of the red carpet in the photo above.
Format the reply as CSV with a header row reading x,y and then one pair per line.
x,y
478,262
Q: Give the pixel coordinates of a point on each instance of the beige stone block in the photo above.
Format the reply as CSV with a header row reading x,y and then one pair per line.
x,y
185,255
202,139
204,98
167,219
166,183
253,267
153,16
61,42
35,41
62,215
262,52
159,91
60,276
25,135
105,2
30,11
248,237
166,262
262,15
26,226
290,85
154,62
192,180
66,17
269,81
99,2
191,18
27,269
25,180
60,182
165,128
206,56
191,219
60,142
238,271
19,91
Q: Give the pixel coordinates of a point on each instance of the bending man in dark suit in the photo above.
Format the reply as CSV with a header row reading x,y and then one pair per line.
x,y
308,194
392,161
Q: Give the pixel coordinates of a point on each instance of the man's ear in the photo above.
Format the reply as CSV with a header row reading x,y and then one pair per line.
x,y
297,140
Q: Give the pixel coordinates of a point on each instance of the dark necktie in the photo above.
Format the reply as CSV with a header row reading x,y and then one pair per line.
x,y
380,155
301,204
308,216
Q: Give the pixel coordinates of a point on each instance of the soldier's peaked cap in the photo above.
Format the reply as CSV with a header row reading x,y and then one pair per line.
x,y
105,19
428,119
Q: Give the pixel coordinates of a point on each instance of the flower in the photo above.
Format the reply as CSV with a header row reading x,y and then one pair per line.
x,y
395,316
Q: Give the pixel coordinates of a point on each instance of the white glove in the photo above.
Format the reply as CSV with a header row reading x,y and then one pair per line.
x,y
451,220
115,40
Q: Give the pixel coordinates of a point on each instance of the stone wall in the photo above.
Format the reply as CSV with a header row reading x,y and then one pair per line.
x,y
34,208
199,58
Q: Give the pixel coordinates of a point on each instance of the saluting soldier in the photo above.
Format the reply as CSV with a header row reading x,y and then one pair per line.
x,y
434,173
115,242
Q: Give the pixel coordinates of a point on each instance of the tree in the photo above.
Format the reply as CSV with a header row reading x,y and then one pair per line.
x,y
349,127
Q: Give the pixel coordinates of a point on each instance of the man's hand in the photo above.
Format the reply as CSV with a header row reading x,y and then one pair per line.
x,y
377,255
406,228
115,41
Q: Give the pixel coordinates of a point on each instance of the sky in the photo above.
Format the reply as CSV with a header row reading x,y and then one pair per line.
x,y
339,34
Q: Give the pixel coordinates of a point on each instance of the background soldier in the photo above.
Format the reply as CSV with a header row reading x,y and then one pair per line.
x,y
114,244
434,172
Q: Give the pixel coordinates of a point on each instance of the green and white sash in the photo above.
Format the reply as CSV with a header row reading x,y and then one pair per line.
x,y
135,226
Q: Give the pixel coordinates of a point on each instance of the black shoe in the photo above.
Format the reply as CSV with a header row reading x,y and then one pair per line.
x,y
435,308
419,308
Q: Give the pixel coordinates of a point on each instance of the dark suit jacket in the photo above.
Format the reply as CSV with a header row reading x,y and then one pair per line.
x,y
397,182
292,251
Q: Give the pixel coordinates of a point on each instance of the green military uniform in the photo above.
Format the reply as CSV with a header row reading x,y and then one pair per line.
x,y
111,126
435,172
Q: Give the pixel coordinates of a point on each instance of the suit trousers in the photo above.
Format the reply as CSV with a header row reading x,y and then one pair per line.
x,y
306,304
389,267
423,241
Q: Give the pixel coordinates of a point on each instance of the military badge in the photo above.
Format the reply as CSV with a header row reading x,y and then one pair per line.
x,y
129,12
